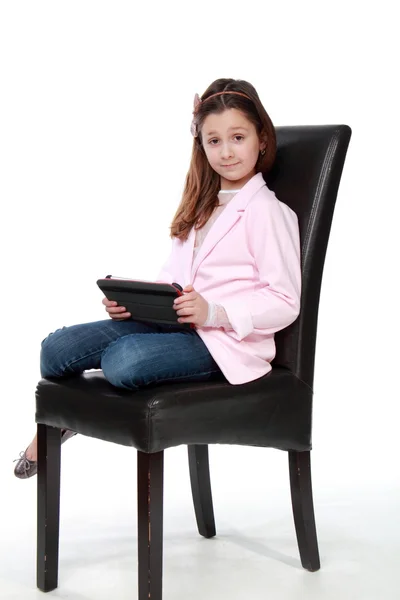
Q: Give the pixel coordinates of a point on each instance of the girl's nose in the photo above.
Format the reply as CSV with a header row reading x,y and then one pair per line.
x,y
226,151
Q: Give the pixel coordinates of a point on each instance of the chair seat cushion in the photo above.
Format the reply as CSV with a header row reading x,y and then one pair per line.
x,y
272,411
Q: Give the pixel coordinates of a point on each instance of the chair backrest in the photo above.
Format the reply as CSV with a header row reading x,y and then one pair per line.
x,y
306,176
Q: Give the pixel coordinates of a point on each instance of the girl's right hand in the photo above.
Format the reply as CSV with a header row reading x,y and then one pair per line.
x,y
118,313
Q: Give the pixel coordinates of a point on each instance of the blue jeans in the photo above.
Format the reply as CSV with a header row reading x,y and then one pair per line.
x,y
130,353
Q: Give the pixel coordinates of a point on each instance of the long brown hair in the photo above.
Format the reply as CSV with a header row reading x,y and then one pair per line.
x,y
202,183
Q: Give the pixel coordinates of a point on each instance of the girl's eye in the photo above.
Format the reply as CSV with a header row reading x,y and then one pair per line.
x,y
215,140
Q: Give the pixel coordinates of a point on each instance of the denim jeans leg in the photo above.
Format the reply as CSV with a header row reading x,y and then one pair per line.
x,y
77,348
133,361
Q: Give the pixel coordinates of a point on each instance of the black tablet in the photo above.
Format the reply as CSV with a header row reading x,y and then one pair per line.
x,y
145,300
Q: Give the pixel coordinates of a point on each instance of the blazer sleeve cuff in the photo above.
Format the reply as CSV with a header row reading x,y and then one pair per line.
x,y
240,319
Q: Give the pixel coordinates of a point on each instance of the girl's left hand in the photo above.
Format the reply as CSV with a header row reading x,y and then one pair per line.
x,y
192,307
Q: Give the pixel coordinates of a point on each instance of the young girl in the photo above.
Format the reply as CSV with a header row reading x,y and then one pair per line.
x,y
235,251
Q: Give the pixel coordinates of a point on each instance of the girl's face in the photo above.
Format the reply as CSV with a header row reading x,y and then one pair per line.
x,y
232,147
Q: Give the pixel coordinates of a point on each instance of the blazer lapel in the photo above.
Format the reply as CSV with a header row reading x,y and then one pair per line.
x,y
225,221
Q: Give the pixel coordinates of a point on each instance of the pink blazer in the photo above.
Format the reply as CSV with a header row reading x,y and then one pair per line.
x,y
250,263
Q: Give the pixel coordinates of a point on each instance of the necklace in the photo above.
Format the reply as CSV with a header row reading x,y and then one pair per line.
x,y
228,191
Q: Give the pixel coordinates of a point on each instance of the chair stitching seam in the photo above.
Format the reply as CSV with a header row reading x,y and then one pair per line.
x,y
320,186
321,183
305,383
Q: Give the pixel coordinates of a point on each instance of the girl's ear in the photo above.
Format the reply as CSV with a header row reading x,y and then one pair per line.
x,y
263,141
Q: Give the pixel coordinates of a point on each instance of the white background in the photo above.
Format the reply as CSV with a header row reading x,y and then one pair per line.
x,y
95,111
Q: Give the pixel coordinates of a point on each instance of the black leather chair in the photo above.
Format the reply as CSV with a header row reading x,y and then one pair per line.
x,y
272,411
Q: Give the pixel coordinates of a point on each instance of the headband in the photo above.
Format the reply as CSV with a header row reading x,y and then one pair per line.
x,y
196,103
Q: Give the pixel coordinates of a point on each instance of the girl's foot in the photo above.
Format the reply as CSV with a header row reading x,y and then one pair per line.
x,y
27,463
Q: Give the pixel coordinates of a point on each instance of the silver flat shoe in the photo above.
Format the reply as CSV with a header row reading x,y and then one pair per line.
x,y
26,468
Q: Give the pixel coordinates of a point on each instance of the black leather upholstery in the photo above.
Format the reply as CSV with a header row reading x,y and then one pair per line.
x,y
273,411
306,176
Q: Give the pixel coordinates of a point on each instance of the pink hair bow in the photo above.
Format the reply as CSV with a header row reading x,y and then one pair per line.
x,y
193,126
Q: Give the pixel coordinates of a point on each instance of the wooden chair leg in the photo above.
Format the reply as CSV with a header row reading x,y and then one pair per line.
x,y
303,509
201,489
150,474
48,506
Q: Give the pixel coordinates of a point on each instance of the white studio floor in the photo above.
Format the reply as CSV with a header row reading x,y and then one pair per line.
x,y
254,555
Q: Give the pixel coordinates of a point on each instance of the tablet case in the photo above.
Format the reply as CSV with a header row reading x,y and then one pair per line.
x,y
146,301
